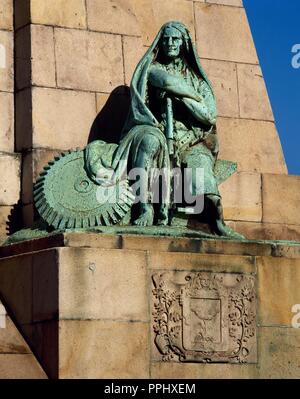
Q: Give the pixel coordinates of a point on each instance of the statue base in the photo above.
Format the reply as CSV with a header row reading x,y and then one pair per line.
x,y
122,305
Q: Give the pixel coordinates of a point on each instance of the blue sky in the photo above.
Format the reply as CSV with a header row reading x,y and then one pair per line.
x,y
275,26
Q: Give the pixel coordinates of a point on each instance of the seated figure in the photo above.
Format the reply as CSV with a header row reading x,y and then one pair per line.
x,y
171,124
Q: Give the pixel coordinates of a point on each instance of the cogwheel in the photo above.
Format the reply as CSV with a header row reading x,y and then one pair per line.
x,y
65,197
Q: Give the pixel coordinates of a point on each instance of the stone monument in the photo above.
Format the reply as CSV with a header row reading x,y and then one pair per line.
x,y
154,288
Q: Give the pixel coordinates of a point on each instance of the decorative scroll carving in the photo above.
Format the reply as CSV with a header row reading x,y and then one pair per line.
x,y
204,317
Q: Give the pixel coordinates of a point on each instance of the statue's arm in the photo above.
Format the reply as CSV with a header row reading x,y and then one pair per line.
x,y
172,84
204,111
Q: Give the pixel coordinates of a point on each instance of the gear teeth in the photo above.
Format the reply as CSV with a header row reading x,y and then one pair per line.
x,y
70,224
38,185
119,211
98,221
40,179
52,217
105,218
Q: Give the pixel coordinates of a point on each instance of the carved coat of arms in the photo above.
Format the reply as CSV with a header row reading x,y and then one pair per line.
x,y
204,317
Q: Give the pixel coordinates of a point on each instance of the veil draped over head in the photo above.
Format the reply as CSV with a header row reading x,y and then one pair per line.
x,y
139,113
100,155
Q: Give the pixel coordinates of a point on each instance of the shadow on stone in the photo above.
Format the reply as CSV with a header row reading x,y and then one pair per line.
x,y
109,122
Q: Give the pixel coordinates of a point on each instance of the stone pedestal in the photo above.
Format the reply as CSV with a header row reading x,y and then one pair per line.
x,y
126,306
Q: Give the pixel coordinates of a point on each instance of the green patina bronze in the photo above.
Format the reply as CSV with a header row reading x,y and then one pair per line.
x,y
171,124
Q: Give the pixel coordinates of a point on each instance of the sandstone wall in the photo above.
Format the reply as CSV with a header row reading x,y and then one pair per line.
x,y
9,160
74,60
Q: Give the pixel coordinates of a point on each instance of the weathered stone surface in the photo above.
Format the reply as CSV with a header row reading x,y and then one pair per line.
x,y
170,10
20,367
223,77
5,212
23,53
103,349
196,312
32,165
61,118
7,73
121,295
88,60
112,16
278,289
43,58
202,371
281,199
280,354
11,340
236,3
23,119
133,52
253,95
241,196
10,179
200,262
6,14
267,231
16,286
70,14
256,138
45,288
7,122
143,10
223,33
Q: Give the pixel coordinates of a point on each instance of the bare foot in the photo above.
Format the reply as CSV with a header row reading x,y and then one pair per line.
x,y
226,231
146,216
163,216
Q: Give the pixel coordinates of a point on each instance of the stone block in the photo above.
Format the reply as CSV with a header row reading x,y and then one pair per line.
x,y
23,119
16,286
61,118
241,196
6,14
69,14
103,349
23,54
202,371
90,290
5,215
10,179
113,16
267,231
11,340
174,10
235,3
42,55
281,199
258,139
133,52
278,290
143,10
279,352
204,262
88,60
7,50
223,76
32,165
7,122
20,367
253,96
223,33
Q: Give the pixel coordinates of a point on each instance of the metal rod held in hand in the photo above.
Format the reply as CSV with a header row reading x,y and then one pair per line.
x,y
169,126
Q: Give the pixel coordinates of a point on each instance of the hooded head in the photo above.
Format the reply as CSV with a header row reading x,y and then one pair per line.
x,y
172,40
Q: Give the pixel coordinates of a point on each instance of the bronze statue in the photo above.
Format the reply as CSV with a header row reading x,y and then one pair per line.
x,y
171,126
171,123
